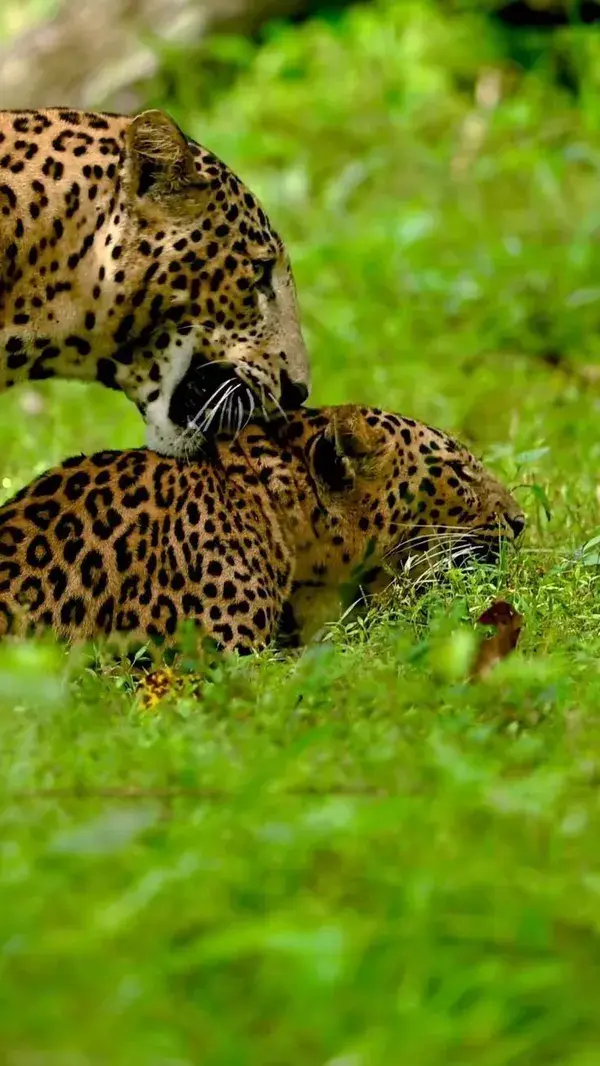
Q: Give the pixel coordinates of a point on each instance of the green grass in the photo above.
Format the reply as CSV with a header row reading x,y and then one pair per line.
x,y
352,858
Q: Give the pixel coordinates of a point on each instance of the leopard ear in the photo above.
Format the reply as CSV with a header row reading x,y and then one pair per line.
x,y
331,468
159,159
346,449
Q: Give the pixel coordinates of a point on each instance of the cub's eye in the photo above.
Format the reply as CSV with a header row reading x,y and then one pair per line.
x,y
263,275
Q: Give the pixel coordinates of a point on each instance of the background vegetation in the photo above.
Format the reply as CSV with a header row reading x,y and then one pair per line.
x,y
353,858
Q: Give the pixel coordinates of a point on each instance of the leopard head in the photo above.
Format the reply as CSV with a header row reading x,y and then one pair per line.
x,y
210,284
392,492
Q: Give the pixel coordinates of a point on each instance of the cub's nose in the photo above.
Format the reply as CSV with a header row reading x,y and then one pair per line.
x,y
517,524
293,393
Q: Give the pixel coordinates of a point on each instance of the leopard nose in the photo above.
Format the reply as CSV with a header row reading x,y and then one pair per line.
x,y
293,393
517,524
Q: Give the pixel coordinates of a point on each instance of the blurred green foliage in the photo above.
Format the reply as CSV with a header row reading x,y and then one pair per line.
x,y
439,901
15,17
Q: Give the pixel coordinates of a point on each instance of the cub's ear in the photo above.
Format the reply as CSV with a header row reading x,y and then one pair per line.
x,y
348,448
332,468
159,159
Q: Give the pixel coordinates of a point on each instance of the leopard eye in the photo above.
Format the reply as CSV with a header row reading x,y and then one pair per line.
x,y
263,275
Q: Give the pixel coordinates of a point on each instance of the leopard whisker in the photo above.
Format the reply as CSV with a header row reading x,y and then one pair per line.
x,y
194,424
422,539
453,559
263,404
225,413
251,406
433,561
212,414
229,408
436,529
430,563
437,533
213,411
239,425
277,405
462,553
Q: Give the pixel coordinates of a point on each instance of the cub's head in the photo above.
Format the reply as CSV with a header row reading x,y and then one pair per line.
x,y
391,491
209,301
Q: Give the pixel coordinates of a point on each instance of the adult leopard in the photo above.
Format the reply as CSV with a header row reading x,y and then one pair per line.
x,y
132,256
264,537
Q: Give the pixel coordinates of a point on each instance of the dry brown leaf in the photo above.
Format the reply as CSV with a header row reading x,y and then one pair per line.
x,y
508,623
